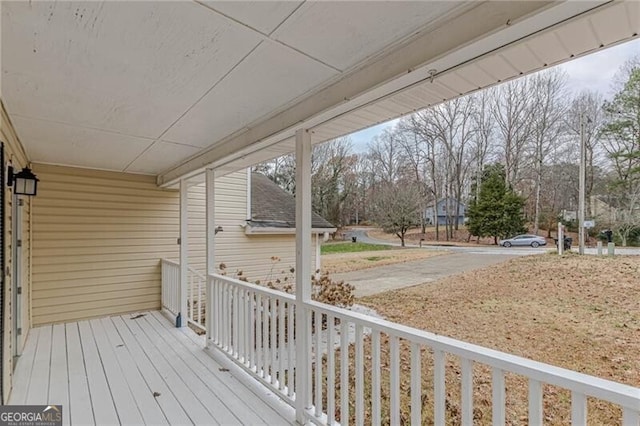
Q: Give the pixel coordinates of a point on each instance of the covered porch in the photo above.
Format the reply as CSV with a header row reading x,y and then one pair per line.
x,y
136,369
205,114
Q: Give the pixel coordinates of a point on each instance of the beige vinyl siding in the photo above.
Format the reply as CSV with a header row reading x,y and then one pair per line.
x,y
251,254
14,153
97,241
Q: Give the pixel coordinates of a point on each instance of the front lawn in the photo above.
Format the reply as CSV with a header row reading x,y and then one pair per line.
x,y
581,313
348,247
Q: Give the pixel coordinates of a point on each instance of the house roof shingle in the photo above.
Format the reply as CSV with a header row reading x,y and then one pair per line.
x,y
272,207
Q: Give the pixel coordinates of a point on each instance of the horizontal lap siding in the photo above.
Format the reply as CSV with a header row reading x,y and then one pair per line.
x,y
251,254
98,238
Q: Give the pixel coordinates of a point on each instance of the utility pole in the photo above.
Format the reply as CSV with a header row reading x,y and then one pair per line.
x,y
582,188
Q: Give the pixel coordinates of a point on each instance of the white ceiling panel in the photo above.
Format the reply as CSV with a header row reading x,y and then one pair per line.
x,y
617,22
475,75
160,156
578,36
271,76
131,67
359,28
264,16
548,48
521,58
75,146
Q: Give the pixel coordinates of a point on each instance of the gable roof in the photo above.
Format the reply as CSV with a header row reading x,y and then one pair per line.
x,y
273,207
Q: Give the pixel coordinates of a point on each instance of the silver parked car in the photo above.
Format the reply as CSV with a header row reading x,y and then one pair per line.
x,y
524,240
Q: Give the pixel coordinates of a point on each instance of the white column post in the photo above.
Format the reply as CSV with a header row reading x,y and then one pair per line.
x,y
303,273
210,213
184,251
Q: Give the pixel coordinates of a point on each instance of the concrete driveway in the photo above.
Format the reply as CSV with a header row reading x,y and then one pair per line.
x,y
390,277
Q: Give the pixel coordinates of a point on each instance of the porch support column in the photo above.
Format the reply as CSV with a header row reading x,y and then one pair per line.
x,y
210,213
303,273
184,252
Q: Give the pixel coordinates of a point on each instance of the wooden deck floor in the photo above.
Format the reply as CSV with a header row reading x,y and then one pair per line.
x,y
121,370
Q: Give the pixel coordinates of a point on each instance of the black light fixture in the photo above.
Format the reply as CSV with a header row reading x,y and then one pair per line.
x,y
24,182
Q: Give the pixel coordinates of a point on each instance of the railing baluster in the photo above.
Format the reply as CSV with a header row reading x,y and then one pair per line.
x,y
630,417
498,397
467,391
236,321
200,301
344,372
578,409
252,329
259,343
439,395
273,341
265,337
291,348
416,385
242,331
318,366
375,378
359,353
535,402
190,284
281,347
394,380
223,312
331,371
248,306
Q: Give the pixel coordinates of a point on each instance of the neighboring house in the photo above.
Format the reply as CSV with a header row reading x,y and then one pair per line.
x,y
602,210
439,214
257,221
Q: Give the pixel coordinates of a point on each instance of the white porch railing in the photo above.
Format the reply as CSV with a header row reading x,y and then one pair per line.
x,y
170,286
196,298
253,326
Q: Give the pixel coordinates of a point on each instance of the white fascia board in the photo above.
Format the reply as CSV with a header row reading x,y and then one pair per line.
x,y
481,30
249,230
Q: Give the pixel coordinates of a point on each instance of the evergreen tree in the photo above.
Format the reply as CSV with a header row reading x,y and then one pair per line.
x,y
498,210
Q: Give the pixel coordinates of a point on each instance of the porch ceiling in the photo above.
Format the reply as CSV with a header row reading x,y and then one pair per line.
x,y
166,88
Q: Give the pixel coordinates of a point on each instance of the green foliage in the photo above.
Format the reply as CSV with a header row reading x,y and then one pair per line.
x,y
622,136
351,247
498,211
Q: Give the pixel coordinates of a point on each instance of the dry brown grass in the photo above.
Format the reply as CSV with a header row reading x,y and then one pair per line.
x,y
347,262
581,313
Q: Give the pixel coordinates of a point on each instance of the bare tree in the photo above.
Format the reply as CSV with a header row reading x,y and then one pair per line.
x,y
548,96
386,155
513,111
397,208
588,103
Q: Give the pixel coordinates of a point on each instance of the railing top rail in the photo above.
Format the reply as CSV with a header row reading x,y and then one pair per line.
x,y
618,393
170,262
254,287
197,274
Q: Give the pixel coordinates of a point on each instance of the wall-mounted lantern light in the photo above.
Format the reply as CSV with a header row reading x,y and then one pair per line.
x,y
24,182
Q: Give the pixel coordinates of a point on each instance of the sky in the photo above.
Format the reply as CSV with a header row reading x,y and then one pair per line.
x,y
592,72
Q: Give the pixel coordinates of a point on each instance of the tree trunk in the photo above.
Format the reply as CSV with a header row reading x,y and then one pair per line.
x,y
536,219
